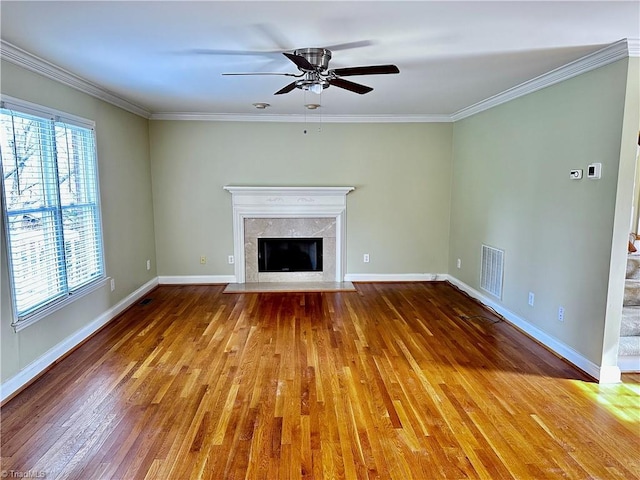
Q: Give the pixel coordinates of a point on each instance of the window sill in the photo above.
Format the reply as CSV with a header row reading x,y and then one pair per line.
x,y
49,309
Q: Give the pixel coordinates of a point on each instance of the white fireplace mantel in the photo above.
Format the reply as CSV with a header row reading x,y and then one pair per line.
x,y
288,202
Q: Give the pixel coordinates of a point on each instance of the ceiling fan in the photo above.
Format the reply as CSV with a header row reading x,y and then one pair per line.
x,y
315,75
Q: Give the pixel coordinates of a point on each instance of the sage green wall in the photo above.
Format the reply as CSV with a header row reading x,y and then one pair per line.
x,y
399,212
127,216
511,190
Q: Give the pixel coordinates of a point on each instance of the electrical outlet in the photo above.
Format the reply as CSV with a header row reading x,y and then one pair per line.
x,y
365,258
113,284
532,298
148,264
561,314
203,260
230,259
459,263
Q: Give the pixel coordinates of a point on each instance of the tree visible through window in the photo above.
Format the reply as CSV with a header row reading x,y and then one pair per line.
x,y
51,207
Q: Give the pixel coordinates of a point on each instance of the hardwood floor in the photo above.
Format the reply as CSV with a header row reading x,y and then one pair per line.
x,y
397,381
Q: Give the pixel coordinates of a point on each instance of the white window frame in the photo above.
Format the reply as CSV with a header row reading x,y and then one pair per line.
x,y
70,296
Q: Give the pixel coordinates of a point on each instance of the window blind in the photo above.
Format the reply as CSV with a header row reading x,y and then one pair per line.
x,y
51,207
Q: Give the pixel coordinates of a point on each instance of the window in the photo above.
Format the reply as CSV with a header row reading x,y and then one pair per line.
x,y
51,209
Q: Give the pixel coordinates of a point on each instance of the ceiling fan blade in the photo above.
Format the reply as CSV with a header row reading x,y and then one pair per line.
x,y
351,86
370,70
274,35
348,45
286,89
212,51
301,62
266,73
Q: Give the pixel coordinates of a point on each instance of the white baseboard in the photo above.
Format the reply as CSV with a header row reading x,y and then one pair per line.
x,y
35,368
196,279
603,374
393,277
629,363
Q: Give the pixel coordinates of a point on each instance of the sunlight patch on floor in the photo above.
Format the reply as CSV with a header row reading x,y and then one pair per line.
x,y
623,400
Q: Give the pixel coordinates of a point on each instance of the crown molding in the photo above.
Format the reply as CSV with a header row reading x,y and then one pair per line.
x,y
609,54
28,61
300,118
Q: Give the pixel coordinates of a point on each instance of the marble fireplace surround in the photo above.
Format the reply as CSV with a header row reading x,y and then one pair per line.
x,y
289,211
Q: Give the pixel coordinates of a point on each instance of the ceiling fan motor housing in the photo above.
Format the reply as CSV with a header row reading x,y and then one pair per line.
x,y
318,57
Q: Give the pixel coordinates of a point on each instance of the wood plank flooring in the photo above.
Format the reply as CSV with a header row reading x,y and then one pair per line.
x,y
396,381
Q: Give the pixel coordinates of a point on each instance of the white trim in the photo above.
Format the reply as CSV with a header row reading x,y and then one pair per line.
x,y
29,61
610,374
634,47
285,192
39,365
23,106
301,118
629,363
394,277
606,374
196,279
609,54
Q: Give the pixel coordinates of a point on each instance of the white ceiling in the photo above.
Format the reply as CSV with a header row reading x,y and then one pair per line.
x,y
451,54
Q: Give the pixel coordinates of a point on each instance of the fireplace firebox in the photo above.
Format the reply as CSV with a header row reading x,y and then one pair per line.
x,y
290,254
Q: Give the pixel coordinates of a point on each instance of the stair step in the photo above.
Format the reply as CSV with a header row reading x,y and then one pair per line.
x,y
629,346
633,267
631,292
630,325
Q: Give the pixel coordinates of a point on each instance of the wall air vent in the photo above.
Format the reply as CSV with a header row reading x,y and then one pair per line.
x,y
492,270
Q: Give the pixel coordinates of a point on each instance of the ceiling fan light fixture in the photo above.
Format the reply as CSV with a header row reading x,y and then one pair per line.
x,y
316,88
261,105
312,106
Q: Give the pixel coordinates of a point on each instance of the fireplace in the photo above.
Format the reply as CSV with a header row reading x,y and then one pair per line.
x,y
314,214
